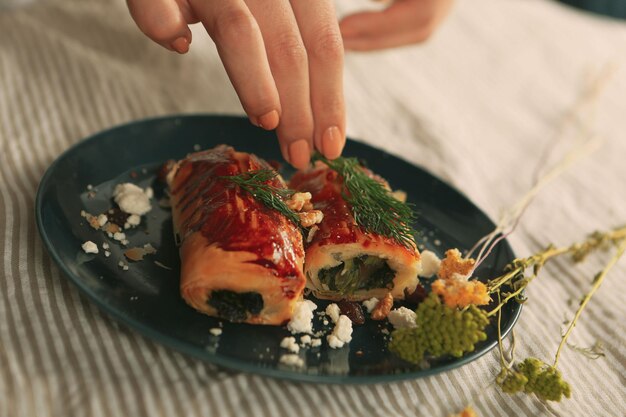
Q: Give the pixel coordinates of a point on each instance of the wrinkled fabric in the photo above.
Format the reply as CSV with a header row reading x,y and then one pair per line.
x,y
477,105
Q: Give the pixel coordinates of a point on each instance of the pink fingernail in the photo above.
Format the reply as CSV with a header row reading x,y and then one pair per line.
x,y
299,153
269,121
181,45
332,142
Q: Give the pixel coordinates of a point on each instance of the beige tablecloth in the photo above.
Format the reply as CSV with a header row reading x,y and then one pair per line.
x,y
476,106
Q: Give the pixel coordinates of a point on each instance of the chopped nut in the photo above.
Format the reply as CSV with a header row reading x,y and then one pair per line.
x,y
383,307
112,228
310,218
298,200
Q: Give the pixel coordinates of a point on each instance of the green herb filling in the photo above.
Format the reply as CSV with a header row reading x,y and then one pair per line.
x,y
234,306
364,272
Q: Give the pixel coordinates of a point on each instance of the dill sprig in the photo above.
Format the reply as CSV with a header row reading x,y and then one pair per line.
x,y
373,206
257,183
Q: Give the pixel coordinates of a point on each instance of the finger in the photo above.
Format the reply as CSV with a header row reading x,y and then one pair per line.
x,y
393,40
163,22
404,22
320,33
240,45
289,64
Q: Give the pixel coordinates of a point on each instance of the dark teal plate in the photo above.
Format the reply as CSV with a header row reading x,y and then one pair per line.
x,y
146,297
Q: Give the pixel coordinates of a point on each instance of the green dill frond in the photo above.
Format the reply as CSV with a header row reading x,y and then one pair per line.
x,y
373,206
257,183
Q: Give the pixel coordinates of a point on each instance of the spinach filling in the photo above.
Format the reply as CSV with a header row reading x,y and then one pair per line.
x,y
235,306
364,272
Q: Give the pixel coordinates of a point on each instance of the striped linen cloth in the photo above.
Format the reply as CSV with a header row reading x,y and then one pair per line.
x,y
476,106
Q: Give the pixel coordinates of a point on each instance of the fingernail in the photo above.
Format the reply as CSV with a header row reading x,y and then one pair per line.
x,y
332,142
269,121
299,153
181,45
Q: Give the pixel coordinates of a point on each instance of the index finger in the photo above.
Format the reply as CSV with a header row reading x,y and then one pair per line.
x,y
320,33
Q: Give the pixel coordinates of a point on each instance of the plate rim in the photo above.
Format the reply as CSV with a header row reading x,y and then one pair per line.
x,y
226,362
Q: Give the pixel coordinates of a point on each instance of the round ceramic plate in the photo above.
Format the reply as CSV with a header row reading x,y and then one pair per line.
x,y
146,297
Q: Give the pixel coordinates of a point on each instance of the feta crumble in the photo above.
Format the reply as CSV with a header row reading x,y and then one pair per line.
x,y
342,333
90,247
430,264
291,359
132,199
402,318
305,340
119,236
290,344
333,312
102,219
370,304
216,331
316,342
302,319
132,221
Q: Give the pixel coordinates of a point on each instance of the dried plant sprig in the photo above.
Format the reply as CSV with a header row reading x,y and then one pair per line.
x,y
588,142
533,375
597,281
516,278
373,206
594,351
258,184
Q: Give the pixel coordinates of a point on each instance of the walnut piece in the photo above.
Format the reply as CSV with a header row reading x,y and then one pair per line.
x,y
383,307
310,218
298,201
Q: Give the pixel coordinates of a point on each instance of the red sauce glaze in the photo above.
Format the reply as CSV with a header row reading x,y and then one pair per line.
x,y
338,225
230,216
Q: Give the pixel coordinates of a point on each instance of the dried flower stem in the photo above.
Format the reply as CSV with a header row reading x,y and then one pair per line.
x,y
596,284
515,274
588,143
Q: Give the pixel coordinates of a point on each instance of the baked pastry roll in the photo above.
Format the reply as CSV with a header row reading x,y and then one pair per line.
x,y
240,260
344,261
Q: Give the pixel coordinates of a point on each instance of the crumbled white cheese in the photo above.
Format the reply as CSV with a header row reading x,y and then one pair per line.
x,y
105,245
459,277
370,304
89,187
333,312
119,236
290,344
132,221
305,340
125,268
149,192
342,333
291,359
102,219
302,318
131,199
430,264
216,331
402,318
90,247
316,342
107,253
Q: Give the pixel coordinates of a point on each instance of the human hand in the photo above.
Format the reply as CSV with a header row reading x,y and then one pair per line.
x,y
404,22
284,59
